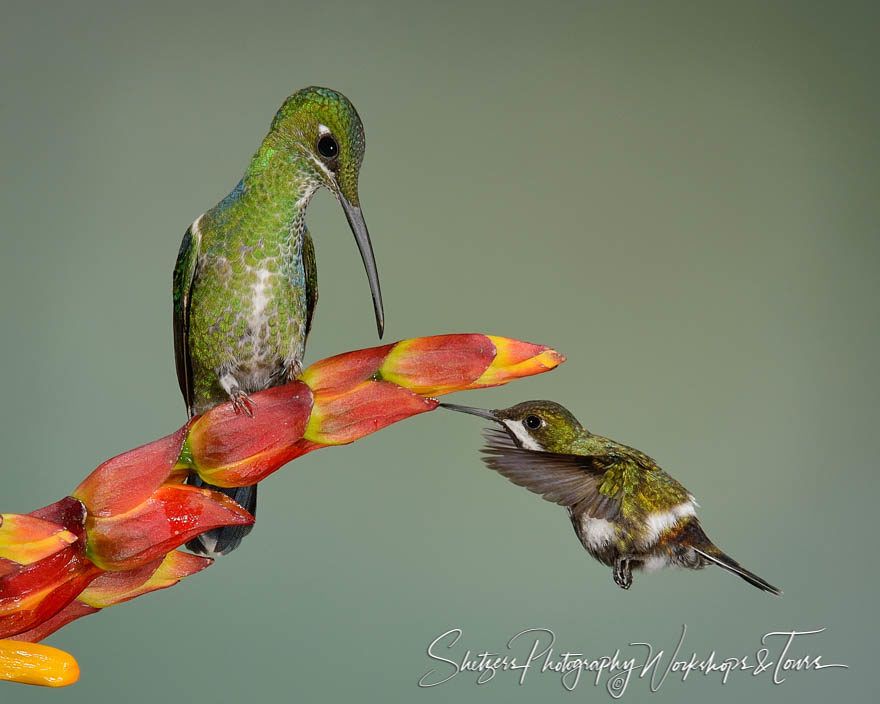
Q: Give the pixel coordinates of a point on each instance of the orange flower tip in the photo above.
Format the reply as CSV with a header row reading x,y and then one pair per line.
x,y
512,364
550,359
30,663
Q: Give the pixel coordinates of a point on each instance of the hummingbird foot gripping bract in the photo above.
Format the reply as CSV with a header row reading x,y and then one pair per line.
x,y
627,512
241,402
245,281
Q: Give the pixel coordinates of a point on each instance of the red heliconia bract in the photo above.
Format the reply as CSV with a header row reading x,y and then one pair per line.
x,y
440,364
74,610
35,591
173,515
115,538
363,410
126,481
117,587
232,449
336,375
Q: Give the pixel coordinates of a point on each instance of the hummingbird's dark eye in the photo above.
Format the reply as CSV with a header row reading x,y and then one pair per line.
x,y
533,422
327,147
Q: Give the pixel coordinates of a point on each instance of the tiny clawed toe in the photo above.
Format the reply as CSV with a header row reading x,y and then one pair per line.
x,y
242,403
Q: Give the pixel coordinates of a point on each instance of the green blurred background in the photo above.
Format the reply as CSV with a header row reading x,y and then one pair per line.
x,y
681,197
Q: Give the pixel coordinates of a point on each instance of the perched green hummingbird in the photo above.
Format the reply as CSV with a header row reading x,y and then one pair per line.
x,y
245,282
627,512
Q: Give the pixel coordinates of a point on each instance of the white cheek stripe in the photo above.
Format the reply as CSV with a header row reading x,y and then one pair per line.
x,y
526,440
317,162
323,168
661,521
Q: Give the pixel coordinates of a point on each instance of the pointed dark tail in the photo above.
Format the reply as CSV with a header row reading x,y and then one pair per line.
x,y
714,555
694,537
222,541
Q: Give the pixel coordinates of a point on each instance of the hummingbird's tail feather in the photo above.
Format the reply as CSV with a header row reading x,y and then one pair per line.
x,y
716,556
222,541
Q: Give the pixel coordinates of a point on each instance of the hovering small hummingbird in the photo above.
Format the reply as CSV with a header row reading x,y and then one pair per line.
x,y
245,282
627,512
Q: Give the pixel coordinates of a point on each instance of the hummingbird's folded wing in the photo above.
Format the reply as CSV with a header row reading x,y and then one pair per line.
x,y
182,280
310,266
564,479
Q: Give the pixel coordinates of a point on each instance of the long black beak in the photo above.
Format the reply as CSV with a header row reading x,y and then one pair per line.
x,y
481,412
362,237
